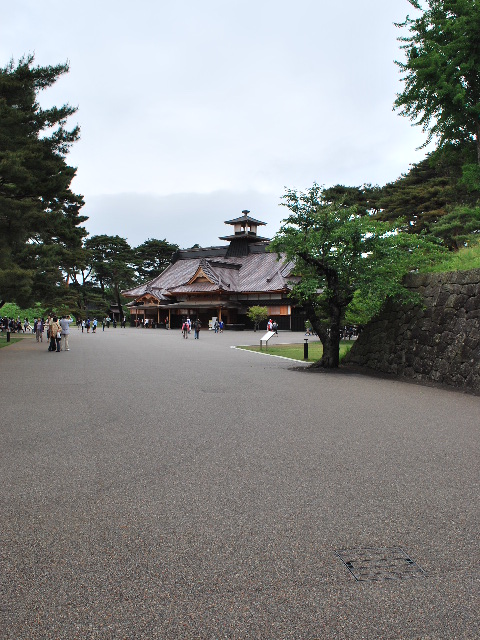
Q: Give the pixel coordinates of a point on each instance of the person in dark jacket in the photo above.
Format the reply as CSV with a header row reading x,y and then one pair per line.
x,y
197,325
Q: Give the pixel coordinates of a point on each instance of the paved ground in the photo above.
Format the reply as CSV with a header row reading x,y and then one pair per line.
x,y
160,488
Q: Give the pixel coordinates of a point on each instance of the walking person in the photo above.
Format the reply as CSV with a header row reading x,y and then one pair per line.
x,y
197,325
65,325
39,330
185,329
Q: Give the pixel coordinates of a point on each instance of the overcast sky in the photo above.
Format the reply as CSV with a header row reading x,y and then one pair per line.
x,y
192,111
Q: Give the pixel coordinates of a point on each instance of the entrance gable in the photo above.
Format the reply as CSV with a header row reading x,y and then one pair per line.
x,y
147,298
201,276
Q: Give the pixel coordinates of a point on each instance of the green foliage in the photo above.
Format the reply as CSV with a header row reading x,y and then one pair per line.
x,y
441,70
459,227
89,300
12,310
363,307
338,251
365,198
39,215
15,283
152,257
471,178
257,314
432,194
110,260
432,187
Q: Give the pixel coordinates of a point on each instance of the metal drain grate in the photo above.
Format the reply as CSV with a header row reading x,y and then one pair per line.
x,y
379,564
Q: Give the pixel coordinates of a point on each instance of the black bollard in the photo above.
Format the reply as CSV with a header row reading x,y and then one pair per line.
x,y
305,349
8,336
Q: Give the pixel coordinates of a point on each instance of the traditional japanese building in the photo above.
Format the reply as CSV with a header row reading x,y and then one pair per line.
x,y
220,282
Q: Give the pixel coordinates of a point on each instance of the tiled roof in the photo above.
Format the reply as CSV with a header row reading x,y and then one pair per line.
x,y
197,287
256,272
245,218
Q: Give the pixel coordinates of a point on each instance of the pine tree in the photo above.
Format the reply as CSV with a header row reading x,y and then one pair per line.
x,y
40,239
442,70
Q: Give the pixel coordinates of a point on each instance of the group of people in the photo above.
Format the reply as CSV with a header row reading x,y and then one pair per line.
x,y
148,323
58,331
106,323
218,326
57,328
272,326
15,326
187,328
349,333
88,324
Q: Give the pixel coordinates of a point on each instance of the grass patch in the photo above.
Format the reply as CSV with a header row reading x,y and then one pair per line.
x,y
3,339
463,260
295,351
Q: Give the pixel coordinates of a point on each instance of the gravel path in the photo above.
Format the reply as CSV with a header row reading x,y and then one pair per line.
x,y
160,488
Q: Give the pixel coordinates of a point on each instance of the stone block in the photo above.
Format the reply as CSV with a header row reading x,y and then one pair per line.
x,y
437,340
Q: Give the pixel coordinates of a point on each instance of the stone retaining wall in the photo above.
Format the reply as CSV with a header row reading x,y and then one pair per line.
x,y
437,342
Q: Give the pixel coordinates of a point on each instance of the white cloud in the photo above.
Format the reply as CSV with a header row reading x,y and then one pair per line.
x,y
183,218
191,107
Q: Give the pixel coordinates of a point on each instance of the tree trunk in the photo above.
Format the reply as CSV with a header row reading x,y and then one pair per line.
x,y
330,337
120,310
331,347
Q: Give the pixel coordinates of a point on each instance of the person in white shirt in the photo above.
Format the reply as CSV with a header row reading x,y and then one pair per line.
x,y
65,324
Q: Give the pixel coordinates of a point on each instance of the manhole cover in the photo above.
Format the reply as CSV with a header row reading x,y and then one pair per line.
x,y
379,564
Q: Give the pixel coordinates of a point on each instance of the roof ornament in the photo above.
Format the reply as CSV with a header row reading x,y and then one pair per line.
x,y
245,232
